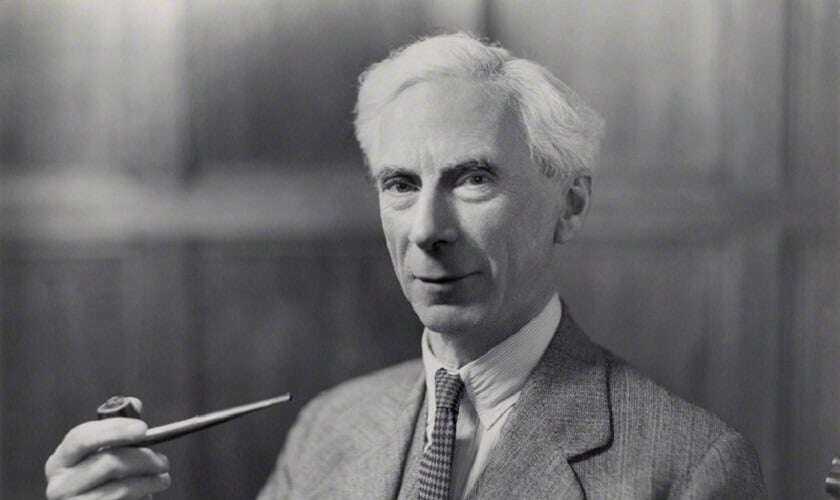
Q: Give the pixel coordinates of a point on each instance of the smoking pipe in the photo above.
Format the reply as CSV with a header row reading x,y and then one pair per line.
x,y
121,406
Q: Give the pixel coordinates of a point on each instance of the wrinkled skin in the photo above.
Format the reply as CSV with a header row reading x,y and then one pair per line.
x,y
471,223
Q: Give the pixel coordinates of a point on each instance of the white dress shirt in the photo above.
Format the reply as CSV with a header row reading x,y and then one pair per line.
x,y
492,384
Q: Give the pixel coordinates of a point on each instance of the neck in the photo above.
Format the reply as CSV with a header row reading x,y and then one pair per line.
x,y
452,351
456,349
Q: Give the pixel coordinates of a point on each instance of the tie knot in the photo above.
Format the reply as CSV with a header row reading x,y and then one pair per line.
x,y
447,389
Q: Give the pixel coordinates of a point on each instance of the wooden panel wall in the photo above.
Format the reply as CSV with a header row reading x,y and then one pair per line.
x,y
273,78
184,217
810,250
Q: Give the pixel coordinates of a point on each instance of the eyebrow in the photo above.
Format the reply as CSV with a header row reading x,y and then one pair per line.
x,y
470,165
457,168
386,171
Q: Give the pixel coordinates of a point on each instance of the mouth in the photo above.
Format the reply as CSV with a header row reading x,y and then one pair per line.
x,y
442,280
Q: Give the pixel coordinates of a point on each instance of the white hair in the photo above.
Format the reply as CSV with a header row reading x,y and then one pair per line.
x,y
562,132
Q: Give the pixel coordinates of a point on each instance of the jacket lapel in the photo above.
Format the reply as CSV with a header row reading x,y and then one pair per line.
x,y
410,482
387,429
562,413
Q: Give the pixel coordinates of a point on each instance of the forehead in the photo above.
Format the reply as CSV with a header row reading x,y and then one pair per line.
x,y
446,121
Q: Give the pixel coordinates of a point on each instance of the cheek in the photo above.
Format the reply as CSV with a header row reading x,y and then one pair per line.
x,y
492,231
516,241
394,239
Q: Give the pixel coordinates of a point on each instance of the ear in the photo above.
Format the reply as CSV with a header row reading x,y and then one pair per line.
x,y
575,198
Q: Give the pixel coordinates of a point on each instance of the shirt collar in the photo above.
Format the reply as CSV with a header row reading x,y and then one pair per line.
x,y
493,381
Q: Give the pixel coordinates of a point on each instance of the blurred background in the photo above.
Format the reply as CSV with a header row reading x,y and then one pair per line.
x,y
184,215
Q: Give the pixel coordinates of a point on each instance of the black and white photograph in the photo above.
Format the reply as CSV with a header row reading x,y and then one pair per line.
x,y
419,249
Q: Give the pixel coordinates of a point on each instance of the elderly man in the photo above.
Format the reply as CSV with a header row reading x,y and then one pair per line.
x,y
482,165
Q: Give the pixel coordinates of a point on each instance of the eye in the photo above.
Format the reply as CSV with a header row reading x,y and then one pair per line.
x,y
477,179
398,184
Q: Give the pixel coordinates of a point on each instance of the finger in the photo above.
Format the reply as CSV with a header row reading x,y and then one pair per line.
x,y
132,488
138,405
89,437
100,468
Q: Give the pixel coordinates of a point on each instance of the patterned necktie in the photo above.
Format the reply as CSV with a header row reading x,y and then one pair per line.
x,y
436,466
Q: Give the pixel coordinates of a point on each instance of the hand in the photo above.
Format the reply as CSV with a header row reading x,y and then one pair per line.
x,y
93,462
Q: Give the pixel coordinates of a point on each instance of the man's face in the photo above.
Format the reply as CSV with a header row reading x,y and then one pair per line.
x,y
468,218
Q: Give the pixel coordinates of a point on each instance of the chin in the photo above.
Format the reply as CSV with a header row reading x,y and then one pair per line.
x,y
449,319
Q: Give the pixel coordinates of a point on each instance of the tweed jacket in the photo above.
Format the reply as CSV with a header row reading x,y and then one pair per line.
x,y
586,425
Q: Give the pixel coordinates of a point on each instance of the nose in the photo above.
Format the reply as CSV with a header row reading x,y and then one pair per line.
x,y
434,224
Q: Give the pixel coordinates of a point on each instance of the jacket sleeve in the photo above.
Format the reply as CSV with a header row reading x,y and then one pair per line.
x,y
728,470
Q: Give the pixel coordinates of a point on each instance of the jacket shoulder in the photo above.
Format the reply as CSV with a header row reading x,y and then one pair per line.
x,y
683,448
353,399
391,382
642,405
336,424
